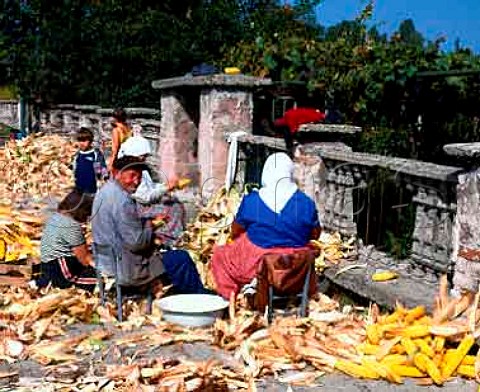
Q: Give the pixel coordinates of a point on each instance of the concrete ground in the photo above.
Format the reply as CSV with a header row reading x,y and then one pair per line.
x,y
34,377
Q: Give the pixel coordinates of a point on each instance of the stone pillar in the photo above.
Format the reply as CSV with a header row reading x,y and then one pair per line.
x,y
220,112
179,137
197,112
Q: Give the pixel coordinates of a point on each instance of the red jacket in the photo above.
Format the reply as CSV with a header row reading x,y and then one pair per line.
x,y
295,117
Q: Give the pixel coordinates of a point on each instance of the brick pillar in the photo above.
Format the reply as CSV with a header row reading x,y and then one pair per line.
x,y
221,111
178,147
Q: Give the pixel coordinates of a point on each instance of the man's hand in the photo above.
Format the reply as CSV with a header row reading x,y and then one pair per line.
x,y
172,183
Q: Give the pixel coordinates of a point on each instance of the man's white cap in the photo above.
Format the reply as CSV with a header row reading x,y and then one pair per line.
x,y
135,146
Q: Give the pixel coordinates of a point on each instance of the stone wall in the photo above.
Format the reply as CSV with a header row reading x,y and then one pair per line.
x,y
9,113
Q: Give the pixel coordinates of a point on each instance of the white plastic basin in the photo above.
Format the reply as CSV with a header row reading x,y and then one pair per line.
x,y
192,310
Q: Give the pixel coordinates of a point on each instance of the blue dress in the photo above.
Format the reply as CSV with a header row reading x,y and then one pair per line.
x,y
291,227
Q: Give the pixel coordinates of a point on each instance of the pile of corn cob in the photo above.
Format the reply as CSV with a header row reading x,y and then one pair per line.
x,y
333,248
409,343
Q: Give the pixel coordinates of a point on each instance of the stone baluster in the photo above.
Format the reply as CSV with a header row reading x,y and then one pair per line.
x,y
339,206
432,235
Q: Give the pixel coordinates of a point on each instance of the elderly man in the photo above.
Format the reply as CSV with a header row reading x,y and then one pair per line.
x,y
117,224
156,198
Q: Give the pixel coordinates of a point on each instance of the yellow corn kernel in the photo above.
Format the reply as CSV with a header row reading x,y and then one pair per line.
x,y
425,320
426,364
395,359
383,370
395,316
438,343
373,334
368,349
407,371
409,346
438,360
462,350
355,370
414,331
424,347
466,371
398,349
414,314
468,360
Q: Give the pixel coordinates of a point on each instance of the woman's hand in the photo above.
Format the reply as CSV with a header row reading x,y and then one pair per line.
x,y
84,256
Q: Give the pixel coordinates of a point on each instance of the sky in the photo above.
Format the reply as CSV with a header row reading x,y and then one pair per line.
x,y
433,18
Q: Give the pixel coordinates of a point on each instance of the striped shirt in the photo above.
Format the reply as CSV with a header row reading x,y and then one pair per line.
x,y
60,234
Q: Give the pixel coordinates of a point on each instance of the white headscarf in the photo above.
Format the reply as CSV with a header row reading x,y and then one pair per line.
x,y
277,181
135,146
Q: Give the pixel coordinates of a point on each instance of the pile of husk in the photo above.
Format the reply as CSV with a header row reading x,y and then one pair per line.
x,y
211,227
296,351
36,168
20,233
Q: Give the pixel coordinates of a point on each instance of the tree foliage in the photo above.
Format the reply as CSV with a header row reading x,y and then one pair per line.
x,y
108,52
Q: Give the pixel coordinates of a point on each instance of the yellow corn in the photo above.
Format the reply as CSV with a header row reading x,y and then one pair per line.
x,y
373,334
414,331
355,370
368,349
466,371
468,360
426,364
398,349
383,370
425,320
438,343
424,347
409,346
414,314
395,316
384,276
462,350
395,359
407,371
438,360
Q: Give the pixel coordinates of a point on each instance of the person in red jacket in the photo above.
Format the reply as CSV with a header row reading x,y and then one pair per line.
x,y
291,121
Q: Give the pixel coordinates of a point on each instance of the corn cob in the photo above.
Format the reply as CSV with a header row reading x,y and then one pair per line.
x,y
468,360
414,331
383,370
355,370
466,371
384,276
462,350
398,349
409,346
407,371
414,314
395,359
373,334
438,343
368,349
424,347
426,364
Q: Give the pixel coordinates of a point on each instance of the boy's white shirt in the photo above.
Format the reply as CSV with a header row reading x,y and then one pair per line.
x,y
149,192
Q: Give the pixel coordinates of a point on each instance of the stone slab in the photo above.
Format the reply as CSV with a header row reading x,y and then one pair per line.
x,y
329,128
408,291
217,80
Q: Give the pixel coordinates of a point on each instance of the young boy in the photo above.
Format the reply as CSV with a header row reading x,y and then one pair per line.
x,y
88,163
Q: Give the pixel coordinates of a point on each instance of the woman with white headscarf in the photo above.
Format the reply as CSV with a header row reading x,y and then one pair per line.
x,y
279,218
